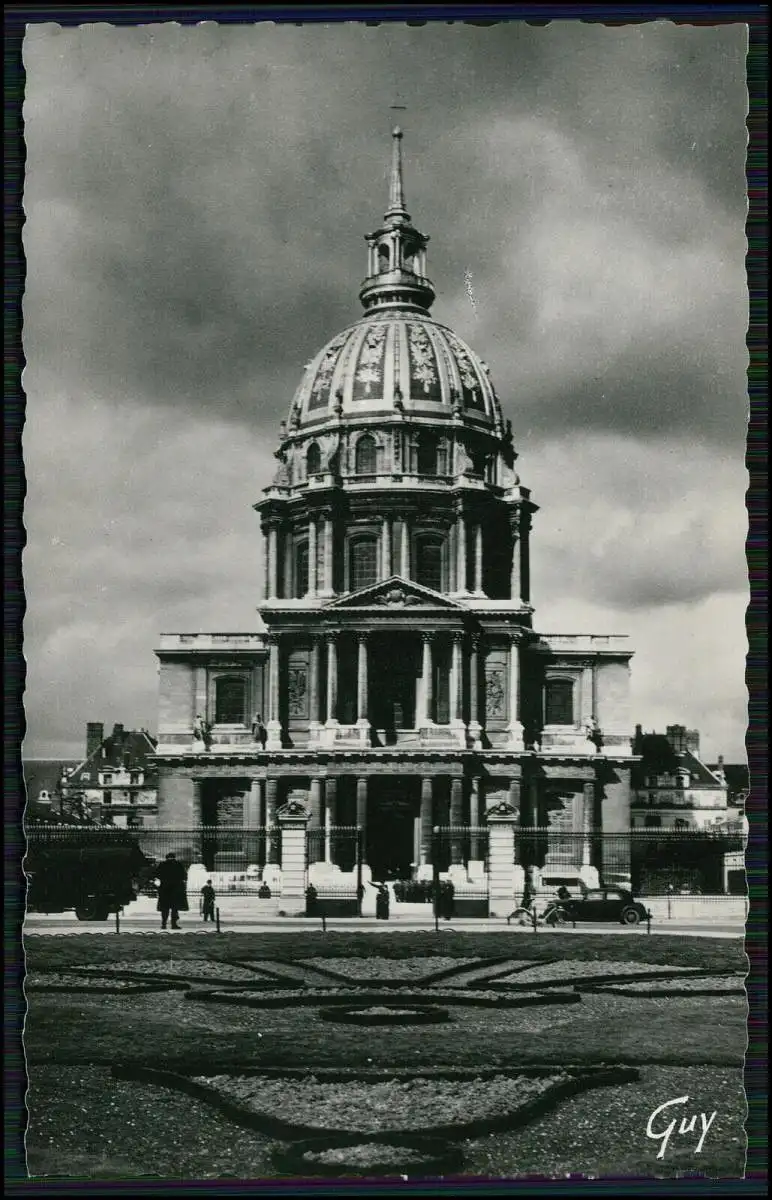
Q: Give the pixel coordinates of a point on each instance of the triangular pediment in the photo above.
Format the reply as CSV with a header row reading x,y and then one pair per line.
x,y
395,593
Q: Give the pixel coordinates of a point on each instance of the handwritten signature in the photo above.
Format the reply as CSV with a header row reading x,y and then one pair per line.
x,y
689,1126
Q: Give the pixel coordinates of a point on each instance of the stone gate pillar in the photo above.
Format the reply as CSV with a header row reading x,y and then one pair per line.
x,y
501,819
293,819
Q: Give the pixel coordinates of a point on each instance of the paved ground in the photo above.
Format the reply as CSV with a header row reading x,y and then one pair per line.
x,y
66,923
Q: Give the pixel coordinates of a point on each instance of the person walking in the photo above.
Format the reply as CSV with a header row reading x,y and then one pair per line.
x,y
207,901
172,879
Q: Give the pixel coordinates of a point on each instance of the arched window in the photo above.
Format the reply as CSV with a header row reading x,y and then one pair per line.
x,y
559,702
313,459
301,569
652,822
363,562
427,454
230,703
429,561
365,459
383,257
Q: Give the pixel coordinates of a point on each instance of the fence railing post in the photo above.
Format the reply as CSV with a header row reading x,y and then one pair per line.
x,y
217,917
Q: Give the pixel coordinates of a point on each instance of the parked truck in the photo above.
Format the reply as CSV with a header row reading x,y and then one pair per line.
x,y
95,876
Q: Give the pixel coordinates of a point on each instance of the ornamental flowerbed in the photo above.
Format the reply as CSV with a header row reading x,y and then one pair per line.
x,y
386,1014
705,985
187,968
411,1106
409,969
64,981
563,970
280,998
327,1157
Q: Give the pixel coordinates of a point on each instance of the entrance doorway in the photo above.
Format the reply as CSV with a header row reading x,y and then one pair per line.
x,y
392,808
395,669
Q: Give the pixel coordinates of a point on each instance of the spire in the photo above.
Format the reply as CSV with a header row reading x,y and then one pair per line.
x,y
396,276
396,212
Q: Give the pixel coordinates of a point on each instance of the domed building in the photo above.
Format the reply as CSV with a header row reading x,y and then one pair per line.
x,y
396,683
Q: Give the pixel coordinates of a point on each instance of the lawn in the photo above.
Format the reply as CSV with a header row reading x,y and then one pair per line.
x,y
84,1122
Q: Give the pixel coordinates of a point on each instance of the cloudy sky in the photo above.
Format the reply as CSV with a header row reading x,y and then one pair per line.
x,y
196,200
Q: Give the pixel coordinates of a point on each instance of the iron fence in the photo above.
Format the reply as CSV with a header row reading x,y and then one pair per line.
x,y
650,862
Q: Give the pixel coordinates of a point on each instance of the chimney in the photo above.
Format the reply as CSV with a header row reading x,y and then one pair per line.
x,y
95,734
117,734
676,735
693,741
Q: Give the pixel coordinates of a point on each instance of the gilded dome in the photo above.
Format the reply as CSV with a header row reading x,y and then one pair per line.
x,y
394,359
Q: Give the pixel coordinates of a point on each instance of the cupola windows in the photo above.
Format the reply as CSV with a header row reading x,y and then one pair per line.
x,y
363,562
365,458
313,459
430,561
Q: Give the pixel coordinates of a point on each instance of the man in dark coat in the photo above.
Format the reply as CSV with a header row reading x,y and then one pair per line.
x,y
172,879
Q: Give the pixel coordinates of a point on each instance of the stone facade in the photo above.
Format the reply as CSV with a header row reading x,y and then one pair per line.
x,y
395,679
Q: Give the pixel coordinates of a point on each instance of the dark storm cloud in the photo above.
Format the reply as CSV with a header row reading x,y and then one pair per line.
x,y
212,201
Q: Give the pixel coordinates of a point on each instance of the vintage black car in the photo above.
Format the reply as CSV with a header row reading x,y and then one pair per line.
x,y
606,904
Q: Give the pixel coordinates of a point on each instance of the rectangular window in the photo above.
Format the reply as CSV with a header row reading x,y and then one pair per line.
x,y
363,563
230,700
559,702
107,798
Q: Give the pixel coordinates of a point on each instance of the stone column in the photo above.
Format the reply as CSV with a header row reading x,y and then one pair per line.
x,y
312,556
588,812
475,728
478,561
515,576
386,549
514,795
271,839
252,812
315,846
426,820
405,550
327,587
501,861
332,680
461,584
362,811
293,861
266,589
456,819
314,689
273,562
330,817
427,680
457,681
362,680
474,818
515,727
274,725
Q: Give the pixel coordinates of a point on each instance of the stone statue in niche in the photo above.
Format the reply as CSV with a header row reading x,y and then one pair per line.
x,y
464,463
